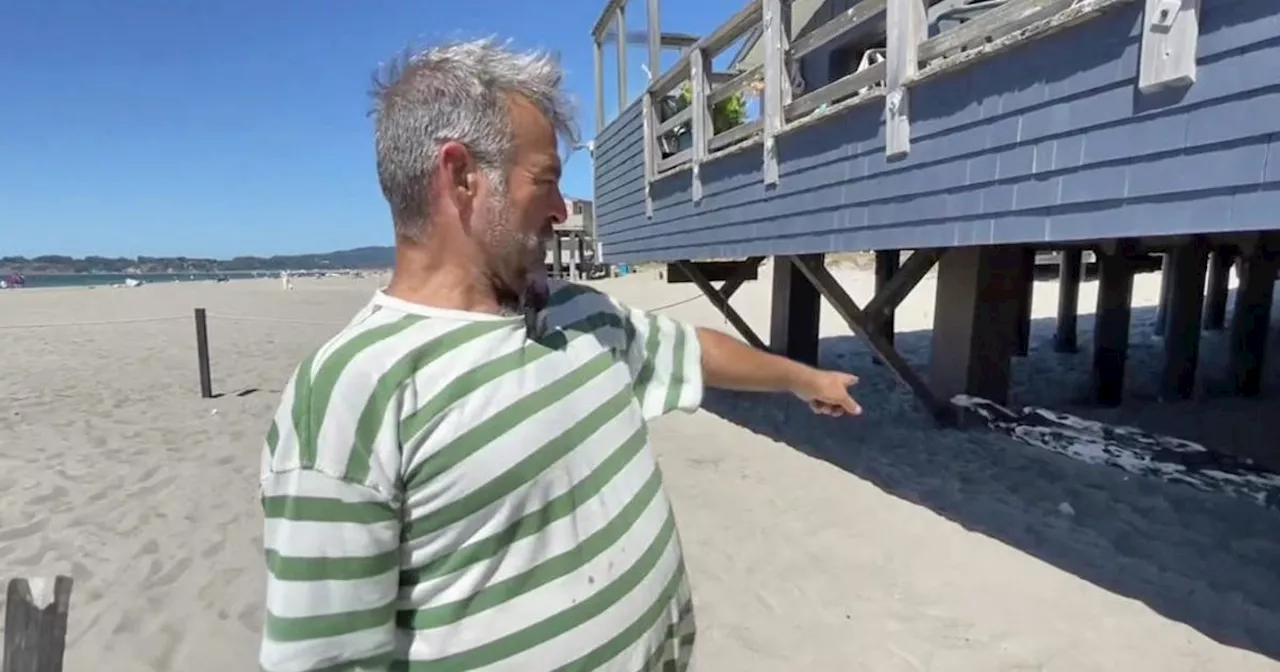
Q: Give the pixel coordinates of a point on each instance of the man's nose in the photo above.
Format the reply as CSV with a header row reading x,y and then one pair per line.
x,y
559,209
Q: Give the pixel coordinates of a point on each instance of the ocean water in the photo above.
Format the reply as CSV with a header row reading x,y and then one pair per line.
x,y
107,279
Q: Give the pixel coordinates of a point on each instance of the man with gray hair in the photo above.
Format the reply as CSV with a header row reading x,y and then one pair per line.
x,y
462,478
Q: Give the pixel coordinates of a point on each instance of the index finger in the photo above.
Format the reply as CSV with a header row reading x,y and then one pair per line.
x,y
850,406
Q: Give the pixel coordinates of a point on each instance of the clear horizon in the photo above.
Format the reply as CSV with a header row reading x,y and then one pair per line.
x,y
81,257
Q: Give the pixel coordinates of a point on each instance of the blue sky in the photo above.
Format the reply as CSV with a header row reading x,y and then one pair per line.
x,y
226,127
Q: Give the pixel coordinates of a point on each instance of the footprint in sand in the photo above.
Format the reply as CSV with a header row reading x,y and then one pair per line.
x,y
171,640
170,575
128,623
23,531
58,493
214,549
250,617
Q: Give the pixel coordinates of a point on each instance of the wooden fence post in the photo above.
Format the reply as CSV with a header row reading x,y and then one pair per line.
x,y
202,353
35,627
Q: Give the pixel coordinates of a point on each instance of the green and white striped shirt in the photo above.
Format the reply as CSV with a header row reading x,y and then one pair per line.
x,y
444,491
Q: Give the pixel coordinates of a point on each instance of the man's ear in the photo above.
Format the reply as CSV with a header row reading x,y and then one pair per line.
x,y
458,174
459,167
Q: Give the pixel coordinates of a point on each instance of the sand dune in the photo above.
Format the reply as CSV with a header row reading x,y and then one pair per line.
x,y
877,544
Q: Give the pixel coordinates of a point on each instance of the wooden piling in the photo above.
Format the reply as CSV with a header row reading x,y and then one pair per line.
x,y
557,256
35,625
1251,319
202,354
1215,293
887,264
796,307
976,321
1070,267
1111,325
1185,300
1162,308
1026,294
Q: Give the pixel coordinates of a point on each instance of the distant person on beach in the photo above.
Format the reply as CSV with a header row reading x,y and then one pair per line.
x,y
462,478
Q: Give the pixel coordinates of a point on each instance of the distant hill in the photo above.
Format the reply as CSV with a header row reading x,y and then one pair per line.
x,y
359,258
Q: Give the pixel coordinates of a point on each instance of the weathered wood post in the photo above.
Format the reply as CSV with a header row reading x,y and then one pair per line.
x,y
1111,324
557,256
202,353
35,624
1251,319
1026,296
796,308
887,264
1182,324
1162,309
1215,292
1070,270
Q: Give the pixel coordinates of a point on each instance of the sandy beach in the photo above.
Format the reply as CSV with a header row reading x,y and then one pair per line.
x,y
879,543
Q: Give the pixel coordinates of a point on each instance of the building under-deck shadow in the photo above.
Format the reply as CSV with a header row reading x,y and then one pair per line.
x,y
1204,559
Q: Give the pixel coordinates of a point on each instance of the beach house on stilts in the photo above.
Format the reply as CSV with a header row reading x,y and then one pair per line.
x,y
972,134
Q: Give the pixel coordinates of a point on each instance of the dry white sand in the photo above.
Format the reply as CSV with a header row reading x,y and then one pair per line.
x,y
878,543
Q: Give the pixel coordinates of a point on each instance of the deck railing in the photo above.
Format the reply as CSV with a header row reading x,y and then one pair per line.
x,y
893,59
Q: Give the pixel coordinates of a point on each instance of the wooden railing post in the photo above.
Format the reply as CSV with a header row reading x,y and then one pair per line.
x,y
599,63
620,24
651,152
700,120
35,624
777,87
905,29
654,23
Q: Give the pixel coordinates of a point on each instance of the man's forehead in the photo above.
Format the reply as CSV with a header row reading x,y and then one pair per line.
x,y
535,137
528,121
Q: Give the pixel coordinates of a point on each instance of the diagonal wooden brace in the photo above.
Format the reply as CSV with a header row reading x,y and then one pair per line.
x,y
720,297
860,322
738,279
904,280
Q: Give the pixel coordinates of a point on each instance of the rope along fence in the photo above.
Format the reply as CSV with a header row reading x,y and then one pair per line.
x,y
201,319
202,340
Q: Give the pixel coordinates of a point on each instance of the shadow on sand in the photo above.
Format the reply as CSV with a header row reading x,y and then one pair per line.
x,y
1208,560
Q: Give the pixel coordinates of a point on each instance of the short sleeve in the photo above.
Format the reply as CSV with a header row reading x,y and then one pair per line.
x,y
663,355
665,359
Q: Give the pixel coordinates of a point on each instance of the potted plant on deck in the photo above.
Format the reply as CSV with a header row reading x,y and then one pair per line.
x,y
725,115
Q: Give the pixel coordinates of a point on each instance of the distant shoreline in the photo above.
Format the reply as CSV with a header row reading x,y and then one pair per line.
x,y
73,280
272,272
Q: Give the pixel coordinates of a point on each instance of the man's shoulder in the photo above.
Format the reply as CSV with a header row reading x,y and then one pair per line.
x,y
564,291
570,302
366,348
389,348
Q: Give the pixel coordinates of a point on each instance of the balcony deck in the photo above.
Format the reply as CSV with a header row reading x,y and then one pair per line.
x,y
1049,142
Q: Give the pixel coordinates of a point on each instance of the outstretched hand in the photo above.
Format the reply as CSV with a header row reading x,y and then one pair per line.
x,y
827,393
730,364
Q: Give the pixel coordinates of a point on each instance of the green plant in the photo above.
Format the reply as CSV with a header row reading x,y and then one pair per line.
x,y
724,115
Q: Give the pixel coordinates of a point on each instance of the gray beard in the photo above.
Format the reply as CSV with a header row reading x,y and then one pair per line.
x,y
533,297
